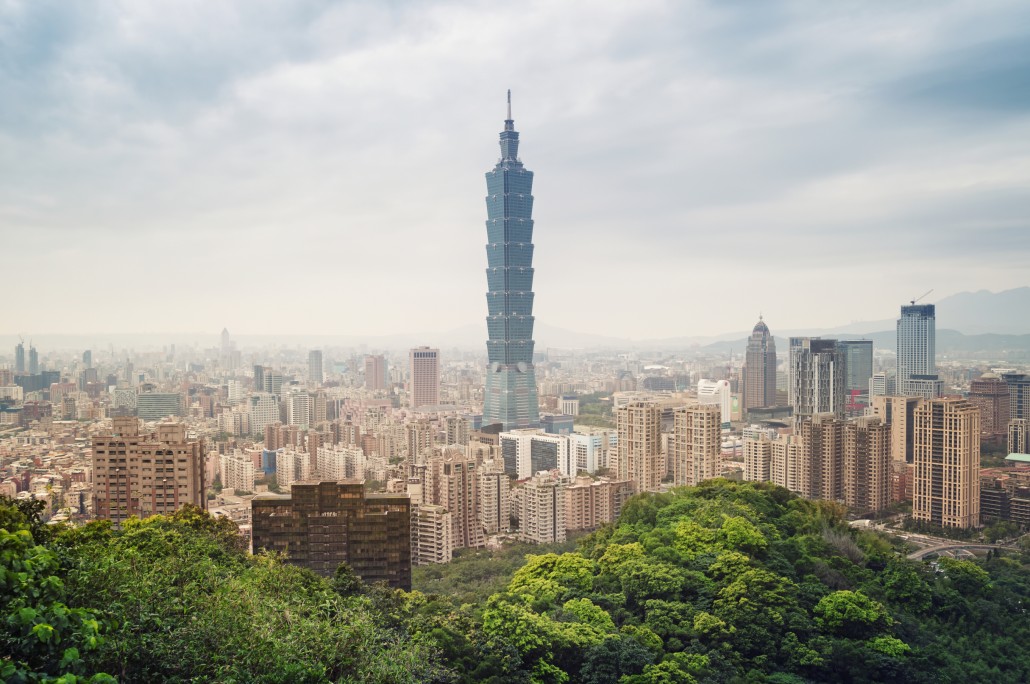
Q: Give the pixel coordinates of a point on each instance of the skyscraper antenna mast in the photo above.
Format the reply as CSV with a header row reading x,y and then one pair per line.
x,y
509,104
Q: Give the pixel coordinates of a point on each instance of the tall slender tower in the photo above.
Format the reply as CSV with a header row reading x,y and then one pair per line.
x,y
760,368
917,367
511,395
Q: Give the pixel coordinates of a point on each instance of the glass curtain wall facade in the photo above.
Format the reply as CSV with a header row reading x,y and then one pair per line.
x,y
510,393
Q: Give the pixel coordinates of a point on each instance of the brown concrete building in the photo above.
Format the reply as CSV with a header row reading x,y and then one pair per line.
x,y
454,484
143,474
990,394
323,524
946,448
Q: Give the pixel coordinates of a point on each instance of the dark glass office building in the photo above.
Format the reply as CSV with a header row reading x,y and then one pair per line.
x,y
510,392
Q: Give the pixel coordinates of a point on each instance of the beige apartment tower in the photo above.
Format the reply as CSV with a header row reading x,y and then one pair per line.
x,y
696,445
455,486
424,387
898,414
142,474
640,444
867,465
946,490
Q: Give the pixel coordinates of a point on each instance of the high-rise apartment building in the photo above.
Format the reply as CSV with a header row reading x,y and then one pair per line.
x,y
916,345
375,372
510,394
858,373
455,486
264,411
541,510
315,370
298,409
431,534
143,474
898,414
640,457
822,457
867,465
946,490
816,377
237,471
590,503
340,463
696,446
291,466
424,388
322,524
456,429
990,394
760,368
494,508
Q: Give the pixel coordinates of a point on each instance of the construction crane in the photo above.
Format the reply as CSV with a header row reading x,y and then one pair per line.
x,y
921,296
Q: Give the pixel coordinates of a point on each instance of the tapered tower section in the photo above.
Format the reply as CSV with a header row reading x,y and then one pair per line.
x,y
511,395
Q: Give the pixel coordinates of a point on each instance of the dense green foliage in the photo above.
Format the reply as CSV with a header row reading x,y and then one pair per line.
x,y
742,582
726,582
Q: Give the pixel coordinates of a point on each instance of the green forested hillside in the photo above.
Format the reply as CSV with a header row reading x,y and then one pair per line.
x,y
726,582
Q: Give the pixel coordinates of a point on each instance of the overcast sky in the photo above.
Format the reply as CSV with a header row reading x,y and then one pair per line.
x,y
317,167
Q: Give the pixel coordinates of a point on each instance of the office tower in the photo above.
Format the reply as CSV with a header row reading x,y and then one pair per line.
x,y
271,381
494,506
19,358
858,367
6,377
591,503
431,534
320,525
315,371
264,411
990,394
259,378
541,510
319,407
640,444
424,389
946,490
717,392
883,384
375,372
455,486
142,474
569,406
898,414
528,451
226,343
867,465
816,377
87,358
158,405
589,448
1019,436
696,448
510,394
760,368
33,361
237,471
1019,394
917,361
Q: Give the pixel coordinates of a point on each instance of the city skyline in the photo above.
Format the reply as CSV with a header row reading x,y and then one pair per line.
x,y
682,144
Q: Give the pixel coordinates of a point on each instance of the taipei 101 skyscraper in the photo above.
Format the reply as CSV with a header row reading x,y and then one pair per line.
x,y
511,396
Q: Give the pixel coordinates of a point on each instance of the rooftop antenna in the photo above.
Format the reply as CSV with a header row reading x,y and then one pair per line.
x,y
921,296
509,104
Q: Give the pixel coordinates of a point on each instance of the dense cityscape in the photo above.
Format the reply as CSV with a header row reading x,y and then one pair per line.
x,y
781,505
